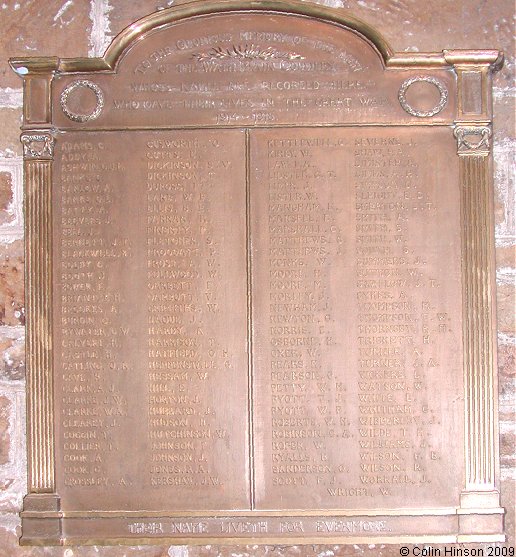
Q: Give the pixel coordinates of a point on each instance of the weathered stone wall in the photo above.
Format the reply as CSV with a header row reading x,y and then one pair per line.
x,y
85,28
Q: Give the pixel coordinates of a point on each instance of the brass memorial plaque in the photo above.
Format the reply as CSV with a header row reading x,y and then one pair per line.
x,y
260,285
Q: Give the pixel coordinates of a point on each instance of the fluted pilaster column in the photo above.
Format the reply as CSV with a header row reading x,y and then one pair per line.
x,y
479,326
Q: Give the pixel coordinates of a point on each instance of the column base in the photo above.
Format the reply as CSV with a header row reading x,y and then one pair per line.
x,y
480,517
41,520
480,499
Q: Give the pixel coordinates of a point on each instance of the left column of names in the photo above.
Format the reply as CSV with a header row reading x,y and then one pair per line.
x,y
150,321
90,249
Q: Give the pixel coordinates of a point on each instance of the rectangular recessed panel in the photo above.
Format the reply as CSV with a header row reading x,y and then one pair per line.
x,y
150,321
472,92
357,310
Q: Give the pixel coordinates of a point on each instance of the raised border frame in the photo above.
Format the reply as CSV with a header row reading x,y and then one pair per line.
x,y
480,499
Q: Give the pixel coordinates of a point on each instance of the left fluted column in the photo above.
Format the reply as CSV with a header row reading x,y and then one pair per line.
x,y
41,505
38,153
41,516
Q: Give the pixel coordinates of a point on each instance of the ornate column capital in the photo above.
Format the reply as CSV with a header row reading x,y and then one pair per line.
x,y
473,139
38,145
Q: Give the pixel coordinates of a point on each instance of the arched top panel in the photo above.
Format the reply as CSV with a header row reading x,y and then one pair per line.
x,y
195,9
248,63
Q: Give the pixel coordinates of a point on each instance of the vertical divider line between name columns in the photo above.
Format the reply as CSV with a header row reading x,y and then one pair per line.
x,y
250,392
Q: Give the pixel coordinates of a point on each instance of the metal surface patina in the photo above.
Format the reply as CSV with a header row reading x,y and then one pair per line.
x,y
260,288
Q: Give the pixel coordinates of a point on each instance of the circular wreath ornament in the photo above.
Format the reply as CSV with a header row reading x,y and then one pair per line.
x,y
443,93
82,84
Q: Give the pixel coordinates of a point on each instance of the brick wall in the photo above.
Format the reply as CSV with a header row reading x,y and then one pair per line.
x,y
85,28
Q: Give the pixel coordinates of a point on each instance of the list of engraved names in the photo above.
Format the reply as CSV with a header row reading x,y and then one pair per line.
x,y
152,359
264,319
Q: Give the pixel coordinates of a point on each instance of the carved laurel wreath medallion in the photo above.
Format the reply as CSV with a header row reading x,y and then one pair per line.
x,y
82,83
443,92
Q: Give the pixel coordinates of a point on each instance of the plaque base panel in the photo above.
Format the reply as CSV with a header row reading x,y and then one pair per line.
x,y
382,526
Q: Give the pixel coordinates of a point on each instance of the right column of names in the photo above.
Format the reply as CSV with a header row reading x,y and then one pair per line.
x,y
357,312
